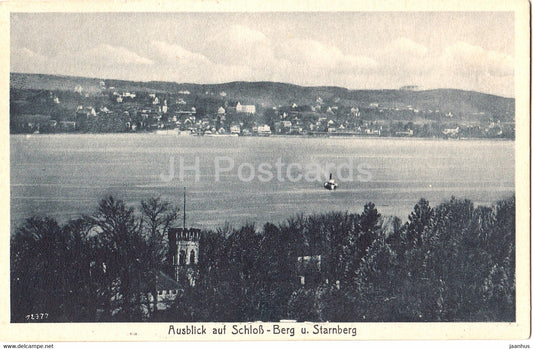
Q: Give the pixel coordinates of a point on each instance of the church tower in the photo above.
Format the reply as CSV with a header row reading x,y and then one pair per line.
x,y
184,248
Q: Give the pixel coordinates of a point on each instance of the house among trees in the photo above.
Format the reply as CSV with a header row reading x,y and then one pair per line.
x,y
263,130
167,291
235,129
242,108
451,132
309,269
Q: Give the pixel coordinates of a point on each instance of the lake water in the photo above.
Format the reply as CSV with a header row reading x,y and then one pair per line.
x,y
64,176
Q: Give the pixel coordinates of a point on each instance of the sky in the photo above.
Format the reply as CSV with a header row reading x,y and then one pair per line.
x,y
358,50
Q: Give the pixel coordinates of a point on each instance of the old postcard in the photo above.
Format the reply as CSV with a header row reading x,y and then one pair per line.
x,y
238,170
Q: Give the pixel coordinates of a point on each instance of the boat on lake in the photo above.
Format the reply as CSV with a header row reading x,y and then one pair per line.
x,y
330,184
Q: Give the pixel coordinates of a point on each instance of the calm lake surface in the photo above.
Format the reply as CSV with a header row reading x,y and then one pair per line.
x,y
64,176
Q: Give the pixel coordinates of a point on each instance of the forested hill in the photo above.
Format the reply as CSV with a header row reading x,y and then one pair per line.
x,y
270,94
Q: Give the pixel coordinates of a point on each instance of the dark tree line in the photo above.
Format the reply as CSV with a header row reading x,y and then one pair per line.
x,y
453,262
97,268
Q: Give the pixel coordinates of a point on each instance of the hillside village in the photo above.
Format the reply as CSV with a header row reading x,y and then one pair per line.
x,y
204,110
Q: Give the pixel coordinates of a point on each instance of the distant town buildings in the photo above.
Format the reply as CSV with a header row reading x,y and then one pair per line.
x,y
451,132
407,133
248,109
235,129
123,109
263,130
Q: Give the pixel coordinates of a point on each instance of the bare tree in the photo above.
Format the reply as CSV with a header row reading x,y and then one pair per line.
x,y
157,216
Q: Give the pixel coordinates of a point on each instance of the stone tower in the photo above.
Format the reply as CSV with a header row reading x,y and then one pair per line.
x,y
184,248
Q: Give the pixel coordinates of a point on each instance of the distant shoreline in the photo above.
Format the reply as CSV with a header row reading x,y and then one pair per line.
x,y
271,136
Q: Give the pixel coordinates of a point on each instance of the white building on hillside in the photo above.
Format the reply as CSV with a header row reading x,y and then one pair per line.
x,y
242,108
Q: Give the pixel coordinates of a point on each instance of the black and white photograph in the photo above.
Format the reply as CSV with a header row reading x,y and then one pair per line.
x,y
266,169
